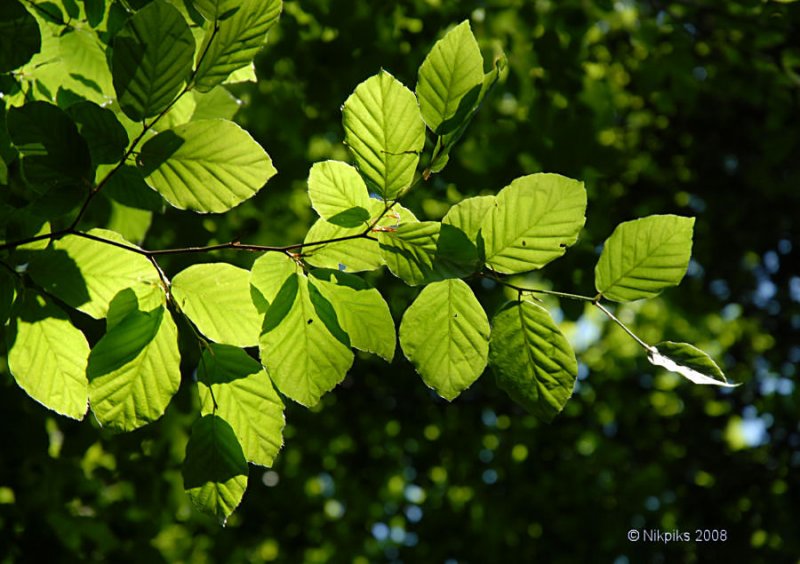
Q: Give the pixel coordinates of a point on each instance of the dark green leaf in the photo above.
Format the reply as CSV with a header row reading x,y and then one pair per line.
x,y
237,388
532,360
19,36
52,151
215,469
104,134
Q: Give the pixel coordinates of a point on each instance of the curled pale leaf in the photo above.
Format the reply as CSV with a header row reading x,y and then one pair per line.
x,y
688,361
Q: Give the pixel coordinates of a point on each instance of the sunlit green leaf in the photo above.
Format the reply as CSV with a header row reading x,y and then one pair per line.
x,y
87,274
234,41
131,223
215,469
338,194
218,103
206,166
216,298
532,360
134,369
52,151
361,310
304,358
688,361
445,143
445,335
267,276
385,133
237,388
533,221
48,358
151,59
84,65
644,256
354,255
468,216
427,251
451,74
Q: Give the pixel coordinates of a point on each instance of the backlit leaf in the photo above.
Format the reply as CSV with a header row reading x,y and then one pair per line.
x,y
644,256
216,298
235,41
151,59
134,369
688,361
427,251
215,468
534,220
532,360
450,76
206,166
48,358
304,358
87,274
361,310
445,335
338,194
354,255
385,133
267,276
235,387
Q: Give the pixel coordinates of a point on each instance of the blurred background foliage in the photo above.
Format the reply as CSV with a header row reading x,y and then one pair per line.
x,y
687,107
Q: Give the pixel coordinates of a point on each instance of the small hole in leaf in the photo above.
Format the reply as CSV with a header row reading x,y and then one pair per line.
x,y
310,321
524,244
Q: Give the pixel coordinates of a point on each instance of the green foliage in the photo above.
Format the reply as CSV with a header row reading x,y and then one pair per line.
x,y
134,107
216,298
532,359
46,343
445,334
533,221
215,471
450,78
205,166
151,59
385,133
644,256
